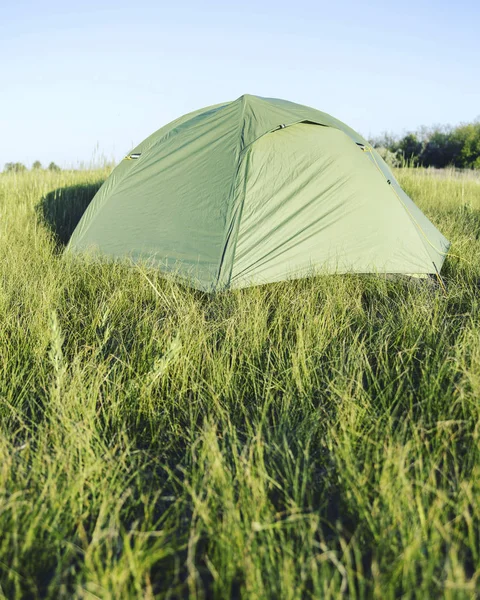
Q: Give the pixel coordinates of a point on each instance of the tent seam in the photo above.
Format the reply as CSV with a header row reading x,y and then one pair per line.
x,y
231,227
239,219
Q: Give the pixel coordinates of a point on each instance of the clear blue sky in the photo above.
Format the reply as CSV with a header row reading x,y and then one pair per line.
x,y
76,77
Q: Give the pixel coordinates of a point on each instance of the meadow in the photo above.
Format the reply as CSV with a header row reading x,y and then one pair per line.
x,y
317,438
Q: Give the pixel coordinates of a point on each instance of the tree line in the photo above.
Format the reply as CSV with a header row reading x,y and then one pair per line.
x,y
433,147
439,147
17,167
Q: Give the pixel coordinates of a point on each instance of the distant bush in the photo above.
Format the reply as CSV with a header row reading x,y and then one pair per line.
x,y
14,167
438,147
17,167
393,159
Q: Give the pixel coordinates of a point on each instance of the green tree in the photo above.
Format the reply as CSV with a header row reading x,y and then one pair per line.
x,y
469,137
438,146
411,147
14,167
53,167
441,150
36,165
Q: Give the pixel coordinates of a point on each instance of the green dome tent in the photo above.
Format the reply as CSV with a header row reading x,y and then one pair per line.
x,y
255,191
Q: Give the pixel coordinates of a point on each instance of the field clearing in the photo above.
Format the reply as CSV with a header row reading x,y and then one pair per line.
x,y
317,438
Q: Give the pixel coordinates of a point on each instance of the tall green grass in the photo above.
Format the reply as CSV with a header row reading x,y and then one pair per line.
x,y
312,439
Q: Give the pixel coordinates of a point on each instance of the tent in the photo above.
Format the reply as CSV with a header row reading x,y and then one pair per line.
x,y
254,191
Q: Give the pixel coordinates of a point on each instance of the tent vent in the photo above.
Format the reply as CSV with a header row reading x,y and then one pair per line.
x,y
133,156
282,126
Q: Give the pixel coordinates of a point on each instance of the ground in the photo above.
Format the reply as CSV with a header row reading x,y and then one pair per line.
x,y
309,439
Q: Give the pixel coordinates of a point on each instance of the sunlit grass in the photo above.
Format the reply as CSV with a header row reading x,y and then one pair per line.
x,y
300,440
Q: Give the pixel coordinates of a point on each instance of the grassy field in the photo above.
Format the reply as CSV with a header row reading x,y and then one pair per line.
x,y
311,439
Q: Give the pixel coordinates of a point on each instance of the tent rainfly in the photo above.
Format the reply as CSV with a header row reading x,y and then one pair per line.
x,y
254,191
